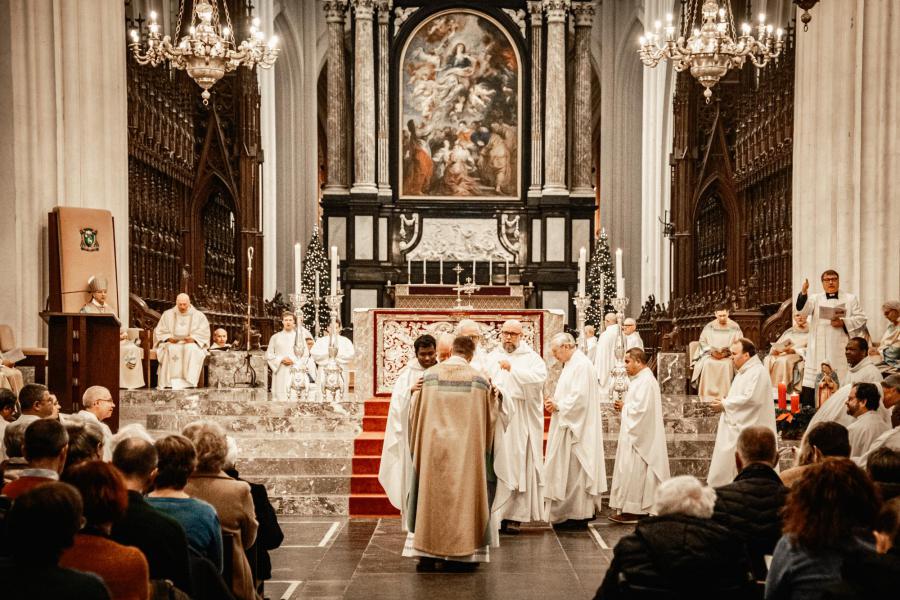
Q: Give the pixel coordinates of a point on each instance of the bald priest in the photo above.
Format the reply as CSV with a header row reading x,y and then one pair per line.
x,y
181,338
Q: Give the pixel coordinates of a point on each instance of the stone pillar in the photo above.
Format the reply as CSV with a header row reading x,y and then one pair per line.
x,y
384,18
338,168
555,119
581,117
536,10
363,101
268,129
846,170
63,140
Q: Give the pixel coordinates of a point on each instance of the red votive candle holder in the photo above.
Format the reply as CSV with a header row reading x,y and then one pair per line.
x,y
782,396
795,403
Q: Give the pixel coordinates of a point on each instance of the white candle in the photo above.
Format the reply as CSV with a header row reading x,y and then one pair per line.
x,y
506,268
298,268
490,271
473,270
318,295
441,269
620,281
424,276
582,270
409,271
334,269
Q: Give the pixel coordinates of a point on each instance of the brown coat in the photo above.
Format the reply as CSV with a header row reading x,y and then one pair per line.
x,y
234,505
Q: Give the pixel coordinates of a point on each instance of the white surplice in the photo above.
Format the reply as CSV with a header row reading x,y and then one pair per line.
x,y
633,340
863,432
591,347
749,403
179,363
888,439
713,376
827,343
574,470
345,353
835,409
131,372
642,459
518,455
605,355
282,345
396,459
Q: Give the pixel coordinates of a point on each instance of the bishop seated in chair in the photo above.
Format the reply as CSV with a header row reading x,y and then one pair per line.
x,y
181,338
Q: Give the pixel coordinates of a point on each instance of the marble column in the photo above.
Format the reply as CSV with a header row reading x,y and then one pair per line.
x,y
846,170
338,167
555,118
384,63
63,140
265,10
582,160
536,11
363,100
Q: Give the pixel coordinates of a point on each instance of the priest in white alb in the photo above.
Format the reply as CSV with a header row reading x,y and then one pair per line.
x,y
481,361
785,359
632,337
862,369
749,402
574,469
713,368
181,338
590,336
519,374
605,354
286,351
642,460
395,469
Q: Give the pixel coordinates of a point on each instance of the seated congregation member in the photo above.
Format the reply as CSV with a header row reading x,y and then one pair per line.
x,y
825,440
785,359
862,404
160,537
131,375
41,524
883,467
713,369
220,340
14,439
85,443
282,354
887,351
825,510
35,402
45,449
7,411
176,460
98,407
862,369
123,568
890,399
231,499
679,553
750,505
181,338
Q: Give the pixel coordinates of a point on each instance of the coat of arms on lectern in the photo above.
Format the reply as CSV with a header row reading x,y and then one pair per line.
x,y
89,242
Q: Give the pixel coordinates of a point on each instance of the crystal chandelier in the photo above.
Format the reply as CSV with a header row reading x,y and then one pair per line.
x,y
711,50
209,50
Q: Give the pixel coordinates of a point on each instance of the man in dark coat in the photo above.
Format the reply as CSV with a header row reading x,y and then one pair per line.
x,y
749,506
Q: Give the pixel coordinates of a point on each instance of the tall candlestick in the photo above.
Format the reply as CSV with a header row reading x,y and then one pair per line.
x,y
334,270
582,270
620,280
298,268
506,268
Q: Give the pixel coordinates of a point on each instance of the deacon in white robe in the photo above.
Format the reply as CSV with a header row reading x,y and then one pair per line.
x,y
590,338
862,369
642,460
713,368
749,402
785,359
828,337
345,354
890,438
98,406
396,458
605,355
632,337
282,356
519,374
862,405
574,469
131,375
181,338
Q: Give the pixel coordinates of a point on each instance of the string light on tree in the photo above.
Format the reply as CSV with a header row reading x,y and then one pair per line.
x,y
601,281
316,263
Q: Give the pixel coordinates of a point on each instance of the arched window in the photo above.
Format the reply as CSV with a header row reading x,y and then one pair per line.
x,y
220,238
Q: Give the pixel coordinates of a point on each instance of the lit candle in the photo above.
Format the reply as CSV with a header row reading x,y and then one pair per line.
x,y
298,268
782,396
409,271
582,270
795,403
506,268
334,269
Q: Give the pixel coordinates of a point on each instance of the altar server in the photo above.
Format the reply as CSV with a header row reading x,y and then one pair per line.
x,y
632,337
574,470
282,354
867,425
344,356
862,369
605,354
713,367
519,374
395,469
642,460
181,338
749,402
785,359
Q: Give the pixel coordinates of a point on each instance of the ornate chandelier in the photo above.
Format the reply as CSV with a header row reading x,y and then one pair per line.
x,y
209,50
711,50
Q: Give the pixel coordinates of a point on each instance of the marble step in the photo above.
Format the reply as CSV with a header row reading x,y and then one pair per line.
x,y
297,446
302,485
311,506
263,467
259,424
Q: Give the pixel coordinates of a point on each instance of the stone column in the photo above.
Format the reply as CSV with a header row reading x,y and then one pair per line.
x,y
268,131
536,10
384,17
846,170
555,119
338,171
363,101
581,118
63,140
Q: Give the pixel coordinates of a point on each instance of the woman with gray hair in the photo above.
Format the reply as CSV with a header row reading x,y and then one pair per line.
x,y
231,499
680,552
887,350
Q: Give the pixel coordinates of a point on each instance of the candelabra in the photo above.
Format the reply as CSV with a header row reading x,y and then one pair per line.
x,y
299,389
332,372
582,302
617,375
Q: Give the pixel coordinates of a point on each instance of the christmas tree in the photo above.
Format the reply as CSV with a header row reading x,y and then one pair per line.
x,y
316,263
601,281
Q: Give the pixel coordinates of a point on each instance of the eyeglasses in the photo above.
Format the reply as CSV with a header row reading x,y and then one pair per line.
x,y
830,279
511,333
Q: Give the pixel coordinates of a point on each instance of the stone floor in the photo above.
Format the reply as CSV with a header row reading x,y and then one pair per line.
x,y
329,558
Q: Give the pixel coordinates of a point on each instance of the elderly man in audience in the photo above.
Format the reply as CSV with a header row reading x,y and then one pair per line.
x,y
750,505
887,351
679,553
131,376
825,440
45,449
862,405
98,407
862,370
890,438
181,338
13,440
785,359
85,443
713,367
232,500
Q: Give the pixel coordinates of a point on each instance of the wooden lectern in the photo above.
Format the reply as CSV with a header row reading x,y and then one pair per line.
x,y
83,350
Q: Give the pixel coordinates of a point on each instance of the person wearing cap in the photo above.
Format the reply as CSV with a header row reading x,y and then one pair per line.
x,y
131,375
